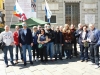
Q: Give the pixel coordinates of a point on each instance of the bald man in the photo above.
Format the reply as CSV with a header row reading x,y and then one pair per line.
x,y
7,37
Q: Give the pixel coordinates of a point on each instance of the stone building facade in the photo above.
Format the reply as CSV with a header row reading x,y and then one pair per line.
x,y
63,11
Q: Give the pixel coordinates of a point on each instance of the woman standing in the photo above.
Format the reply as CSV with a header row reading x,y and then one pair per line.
x,y
84,44
42,40
67,40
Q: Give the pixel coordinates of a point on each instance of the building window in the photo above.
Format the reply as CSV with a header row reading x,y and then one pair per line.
x,y
52,19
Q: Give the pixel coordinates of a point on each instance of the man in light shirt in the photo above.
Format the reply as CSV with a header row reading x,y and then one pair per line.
x,y
7,37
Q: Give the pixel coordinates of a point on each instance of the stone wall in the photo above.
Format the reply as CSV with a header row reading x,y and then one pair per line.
x,y
9,8
60,13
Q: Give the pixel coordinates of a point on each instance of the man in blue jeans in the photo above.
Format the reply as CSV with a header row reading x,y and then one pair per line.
x,y
50,44
94,40
7,37
26,42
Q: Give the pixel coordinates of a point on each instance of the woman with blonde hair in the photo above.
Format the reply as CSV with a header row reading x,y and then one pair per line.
x,y
67,40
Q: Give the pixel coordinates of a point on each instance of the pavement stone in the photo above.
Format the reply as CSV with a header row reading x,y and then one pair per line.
x,y
65,67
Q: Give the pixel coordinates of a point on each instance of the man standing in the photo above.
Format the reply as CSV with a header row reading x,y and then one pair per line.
x,y
17,45
58,43
73,30
94,39
50,44
7,37
78,31
26,42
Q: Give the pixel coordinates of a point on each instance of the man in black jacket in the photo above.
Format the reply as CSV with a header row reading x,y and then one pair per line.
x,y
26,42
50,44
58,43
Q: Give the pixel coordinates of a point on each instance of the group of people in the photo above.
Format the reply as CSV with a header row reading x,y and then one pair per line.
x,y
53,43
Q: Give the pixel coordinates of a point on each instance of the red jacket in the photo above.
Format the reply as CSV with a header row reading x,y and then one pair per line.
x,y
16,38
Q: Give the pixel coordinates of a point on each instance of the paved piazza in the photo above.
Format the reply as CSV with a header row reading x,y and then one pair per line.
x,y
65,67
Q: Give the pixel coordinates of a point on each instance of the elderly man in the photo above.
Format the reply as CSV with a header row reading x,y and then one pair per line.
x,y
17,45
77,34
7,37
78,31
26,42
35,46
94,40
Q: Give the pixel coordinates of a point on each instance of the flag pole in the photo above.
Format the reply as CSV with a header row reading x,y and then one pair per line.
x,y
11,20
12,16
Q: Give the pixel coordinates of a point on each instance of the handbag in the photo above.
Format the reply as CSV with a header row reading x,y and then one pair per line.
x,y
68,46
40,46
86,44
2,45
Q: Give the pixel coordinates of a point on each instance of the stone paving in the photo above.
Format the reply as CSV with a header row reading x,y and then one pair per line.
x,y
65,67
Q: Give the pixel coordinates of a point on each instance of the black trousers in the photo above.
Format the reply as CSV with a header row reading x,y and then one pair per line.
x,y
75,48
43,52
18,48
63,51
35,49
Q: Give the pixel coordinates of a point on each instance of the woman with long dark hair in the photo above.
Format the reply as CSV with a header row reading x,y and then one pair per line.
x,y
42,40
84,44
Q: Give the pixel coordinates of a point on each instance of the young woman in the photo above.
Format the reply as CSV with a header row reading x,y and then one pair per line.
x,y
84,44
42,40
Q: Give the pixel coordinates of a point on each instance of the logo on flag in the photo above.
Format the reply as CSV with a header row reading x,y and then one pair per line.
x,y
18,12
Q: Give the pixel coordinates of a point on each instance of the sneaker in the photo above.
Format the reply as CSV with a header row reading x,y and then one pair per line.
x,y
16,61
82,60
90,63
37,59
51,59
13,63
96,66
6,65
22,60
86,60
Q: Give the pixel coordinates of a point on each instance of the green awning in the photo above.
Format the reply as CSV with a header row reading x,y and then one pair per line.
x,y
31,22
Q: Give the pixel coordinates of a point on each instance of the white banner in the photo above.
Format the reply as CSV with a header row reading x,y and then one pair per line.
x,y
26,6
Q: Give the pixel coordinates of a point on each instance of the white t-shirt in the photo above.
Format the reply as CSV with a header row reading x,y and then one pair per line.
x,y
7,37
83,35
